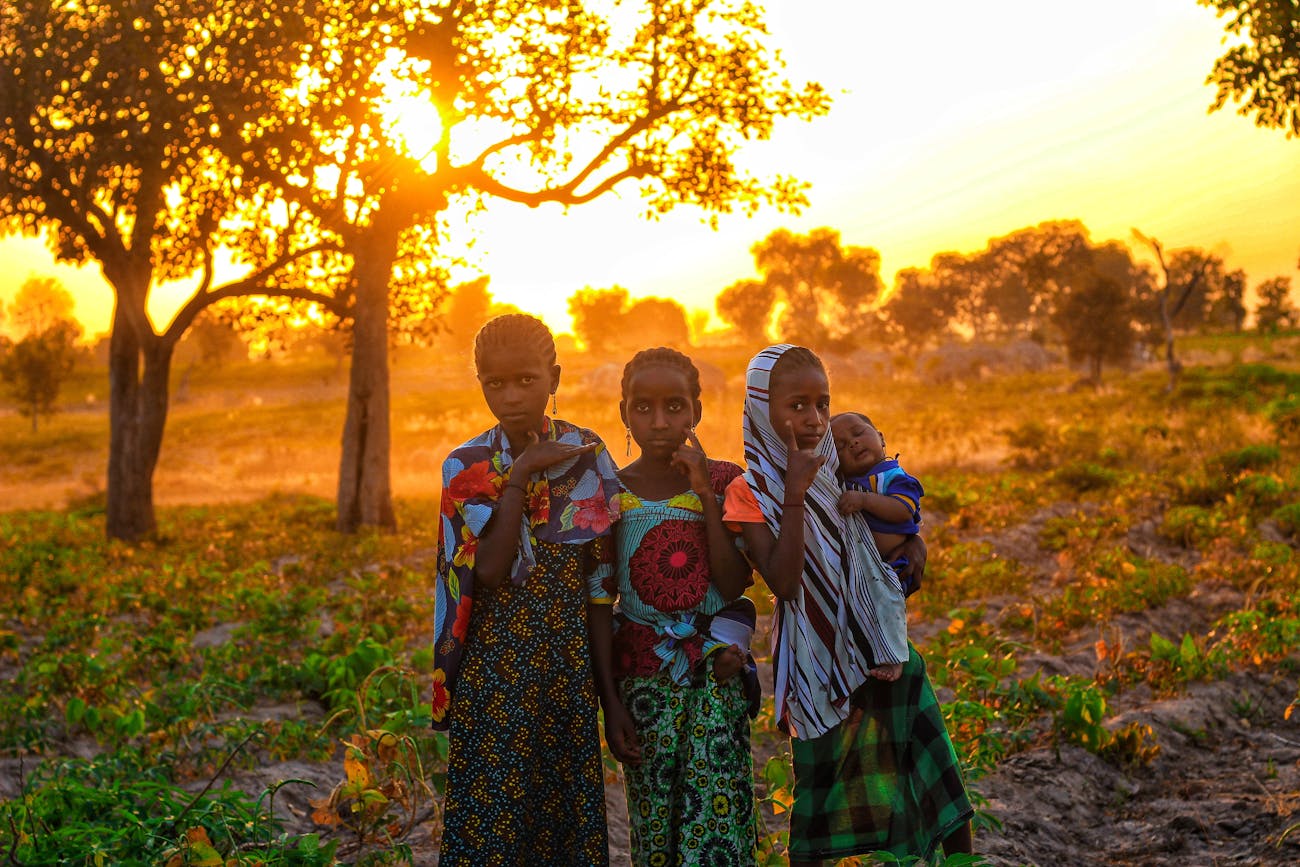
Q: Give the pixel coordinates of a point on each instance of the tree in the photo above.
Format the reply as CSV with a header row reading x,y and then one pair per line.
x,y
1263,72
36,366
920,307
536,102
1096,318
40,303
746,306
129,139
1275,311
468,307
1183,274
654,322
597,315
826,289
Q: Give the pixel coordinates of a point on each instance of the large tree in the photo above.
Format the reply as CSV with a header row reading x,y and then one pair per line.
x,y
536,102
1262,69
746,306
125,125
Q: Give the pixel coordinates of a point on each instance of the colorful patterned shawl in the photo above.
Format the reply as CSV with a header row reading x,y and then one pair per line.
x,y
570,503
849,613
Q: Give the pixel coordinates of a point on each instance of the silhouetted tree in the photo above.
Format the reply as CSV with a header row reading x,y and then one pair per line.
x,y
596,316
1095,317
468,307
1263,70
127,128
827,289
654,322
1275,310
36,366
535,103
746,306
920,308
1183,274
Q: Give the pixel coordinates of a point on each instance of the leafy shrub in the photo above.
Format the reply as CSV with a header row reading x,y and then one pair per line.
x,y
1190,526
1288,518
1252,457
1083,476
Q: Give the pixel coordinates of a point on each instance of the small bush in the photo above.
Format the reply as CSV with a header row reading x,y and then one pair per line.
x,y
1254,457
1083,476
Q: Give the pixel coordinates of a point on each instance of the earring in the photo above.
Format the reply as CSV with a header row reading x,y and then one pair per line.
x,y
555,406
629,442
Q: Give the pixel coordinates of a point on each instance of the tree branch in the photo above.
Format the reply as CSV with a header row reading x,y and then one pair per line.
x,y
253,284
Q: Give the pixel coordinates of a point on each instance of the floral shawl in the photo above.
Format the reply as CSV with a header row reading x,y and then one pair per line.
x,y
849,612
570,503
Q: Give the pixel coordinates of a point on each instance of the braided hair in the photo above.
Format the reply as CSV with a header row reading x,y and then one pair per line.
x,y
662,356
796,358
515,330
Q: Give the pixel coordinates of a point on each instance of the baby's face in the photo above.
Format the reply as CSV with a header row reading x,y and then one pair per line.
x,y
859,445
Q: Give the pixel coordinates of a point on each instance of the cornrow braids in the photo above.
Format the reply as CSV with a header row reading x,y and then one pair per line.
x,y
796,358
662,356
514,330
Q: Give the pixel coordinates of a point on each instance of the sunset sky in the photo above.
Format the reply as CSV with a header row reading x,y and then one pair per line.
x,y
953,122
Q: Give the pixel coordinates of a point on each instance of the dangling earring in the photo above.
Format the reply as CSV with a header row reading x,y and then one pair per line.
x,y
555,406
629,442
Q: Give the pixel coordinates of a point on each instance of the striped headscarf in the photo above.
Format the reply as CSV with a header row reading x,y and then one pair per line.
x,y
849,612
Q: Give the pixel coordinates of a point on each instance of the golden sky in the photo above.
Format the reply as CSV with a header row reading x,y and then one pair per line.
x,y
953,122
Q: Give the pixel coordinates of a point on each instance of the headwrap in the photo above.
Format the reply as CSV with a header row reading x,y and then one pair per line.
x,y
848,613
572,502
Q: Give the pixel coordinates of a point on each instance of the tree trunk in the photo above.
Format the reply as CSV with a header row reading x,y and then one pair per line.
x,y
365,495
137,416
1166,319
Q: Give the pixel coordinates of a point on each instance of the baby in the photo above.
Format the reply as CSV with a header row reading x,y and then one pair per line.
x,y
886,495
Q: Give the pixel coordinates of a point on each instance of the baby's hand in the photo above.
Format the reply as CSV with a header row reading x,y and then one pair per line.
x,y
888,673
727,663
850,502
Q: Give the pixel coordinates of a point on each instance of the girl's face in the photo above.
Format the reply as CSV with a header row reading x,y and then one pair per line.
x,y
859,445
658,409
800,398
516,384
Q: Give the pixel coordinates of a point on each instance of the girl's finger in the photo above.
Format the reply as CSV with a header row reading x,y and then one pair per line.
x,y
791,442
693,439
533,438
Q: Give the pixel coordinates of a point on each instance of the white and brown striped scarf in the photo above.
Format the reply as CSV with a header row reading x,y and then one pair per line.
x,y
849,612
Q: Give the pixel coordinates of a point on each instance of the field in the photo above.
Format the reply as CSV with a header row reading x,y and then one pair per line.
x,y
1111,614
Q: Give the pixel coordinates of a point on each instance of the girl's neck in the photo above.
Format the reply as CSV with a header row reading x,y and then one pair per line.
x,y
654,478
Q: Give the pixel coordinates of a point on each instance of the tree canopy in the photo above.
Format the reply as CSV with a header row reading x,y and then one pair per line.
x,y
1262,73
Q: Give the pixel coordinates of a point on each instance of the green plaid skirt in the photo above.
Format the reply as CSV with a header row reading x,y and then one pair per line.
x,y
889,783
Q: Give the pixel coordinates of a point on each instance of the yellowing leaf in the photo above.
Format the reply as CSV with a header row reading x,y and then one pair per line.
x,y
355,768
782,801
957,625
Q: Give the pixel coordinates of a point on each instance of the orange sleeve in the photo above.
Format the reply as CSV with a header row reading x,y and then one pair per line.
x,y
740,506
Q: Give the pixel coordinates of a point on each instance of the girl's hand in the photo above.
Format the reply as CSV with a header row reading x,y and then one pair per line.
x,y
911,575
691,461
727,663
620,734
850,502
538,455
801,466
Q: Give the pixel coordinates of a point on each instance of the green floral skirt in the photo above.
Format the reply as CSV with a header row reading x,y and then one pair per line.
x,y
691,800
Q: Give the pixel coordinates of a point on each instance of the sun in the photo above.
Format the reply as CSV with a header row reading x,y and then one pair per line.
x,y
410,114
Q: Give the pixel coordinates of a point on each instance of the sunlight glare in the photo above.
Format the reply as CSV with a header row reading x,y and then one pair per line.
x,y
410,114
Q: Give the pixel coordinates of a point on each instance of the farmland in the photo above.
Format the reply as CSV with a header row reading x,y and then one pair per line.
x,y
1111,613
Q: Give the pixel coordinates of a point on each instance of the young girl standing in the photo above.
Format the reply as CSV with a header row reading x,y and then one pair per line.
x,y
524,550
874,768
685,749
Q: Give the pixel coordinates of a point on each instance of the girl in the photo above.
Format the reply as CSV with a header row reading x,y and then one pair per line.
x,y
523,552
685,748
874,768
